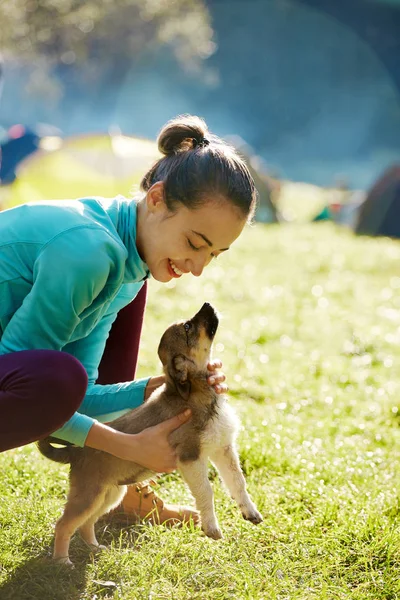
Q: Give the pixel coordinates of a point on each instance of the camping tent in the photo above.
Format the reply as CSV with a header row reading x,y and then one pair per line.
x,y
89,165
343,208
380,213
268,188
20,143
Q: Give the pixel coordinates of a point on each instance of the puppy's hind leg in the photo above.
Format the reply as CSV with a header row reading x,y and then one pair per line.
x,y
111,498
226,460
88,534
82,503
195,473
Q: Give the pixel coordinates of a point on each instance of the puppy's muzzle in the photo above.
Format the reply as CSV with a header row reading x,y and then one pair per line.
x,y
207,317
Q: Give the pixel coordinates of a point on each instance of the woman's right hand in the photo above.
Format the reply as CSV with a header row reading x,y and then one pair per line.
x,y
149,448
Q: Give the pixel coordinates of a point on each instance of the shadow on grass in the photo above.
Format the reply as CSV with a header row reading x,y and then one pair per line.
x,y
42,579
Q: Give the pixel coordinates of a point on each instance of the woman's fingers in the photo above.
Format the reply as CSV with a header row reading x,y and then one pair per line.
x,y
216,378
221,388
214,364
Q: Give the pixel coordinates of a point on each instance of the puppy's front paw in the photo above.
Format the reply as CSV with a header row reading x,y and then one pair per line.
x,y
213,532
253,516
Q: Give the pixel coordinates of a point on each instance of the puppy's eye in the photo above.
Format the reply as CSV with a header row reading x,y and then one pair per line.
x,y
187,325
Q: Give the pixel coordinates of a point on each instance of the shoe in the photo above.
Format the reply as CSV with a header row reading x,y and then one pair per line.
x,y
142,504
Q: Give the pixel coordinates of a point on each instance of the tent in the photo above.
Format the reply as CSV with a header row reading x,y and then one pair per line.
x,y
268,187
20,143
88,165
342,209
380,213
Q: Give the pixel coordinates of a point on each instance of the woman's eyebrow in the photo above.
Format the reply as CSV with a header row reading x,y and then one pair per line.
x,y
204,237
207,240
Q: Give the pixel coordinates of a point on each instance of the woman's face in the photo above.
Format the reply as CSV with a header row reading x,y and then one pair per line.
x,y
185,241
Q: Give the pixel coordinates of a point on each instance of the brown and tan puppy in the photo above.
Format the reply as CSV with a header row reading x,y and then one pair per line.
x,y
98,480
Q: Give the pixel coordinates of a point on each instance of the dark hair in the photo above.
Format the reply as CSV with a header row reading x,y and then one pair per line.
x,y
197,166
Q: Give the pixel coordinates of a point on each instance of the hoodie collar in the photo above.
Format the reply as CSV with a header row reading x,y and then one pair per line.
x,y
126,222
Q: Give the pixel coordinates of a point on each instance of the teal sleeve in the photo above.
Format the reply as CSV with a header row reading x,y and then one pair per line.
x,y
76,429
66,282
102,403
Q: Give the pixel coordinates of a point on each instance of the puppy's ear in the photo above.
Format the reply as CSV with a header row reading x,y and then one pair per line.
x,y
179,373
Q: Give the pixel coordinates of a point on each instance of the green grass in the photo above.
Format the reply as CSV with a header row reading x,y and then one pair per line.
x,y
310,341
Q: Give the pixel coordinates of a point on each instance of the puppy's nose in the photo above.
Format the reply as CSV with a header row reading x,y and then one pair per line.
x,y
207,306
209,317
207,311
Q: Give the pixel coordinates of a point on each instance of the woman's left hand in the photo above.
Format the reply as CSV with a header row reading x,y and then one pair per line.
x,y
216,378
153,384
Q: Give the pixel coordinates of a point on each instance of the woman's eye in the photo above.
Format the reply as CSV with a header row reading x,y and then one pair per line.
x,y
187,326
193,247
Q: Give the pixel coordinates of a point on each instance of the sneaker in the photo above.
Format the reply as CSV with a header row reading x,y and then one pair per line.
x,y
141,503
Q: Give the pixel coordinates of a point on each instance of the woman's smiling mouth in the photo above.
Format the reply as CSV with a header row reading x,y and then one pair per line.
x,y
174,269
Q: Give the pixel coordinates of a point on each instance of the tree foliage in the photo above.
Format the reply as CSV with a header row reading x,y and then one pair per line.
x,y
94,34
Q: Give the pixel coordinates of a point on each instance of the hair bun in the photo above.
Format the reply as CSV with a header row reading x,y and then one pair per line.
x,y
182,134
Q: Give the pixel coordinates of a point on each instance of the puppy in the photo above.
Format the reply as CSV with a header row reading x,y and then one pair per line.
x,y
98,480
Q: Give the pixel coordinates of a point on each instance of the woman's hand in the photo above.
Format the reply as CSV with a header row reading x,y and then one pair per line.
x,y
156,453
149,448
216,378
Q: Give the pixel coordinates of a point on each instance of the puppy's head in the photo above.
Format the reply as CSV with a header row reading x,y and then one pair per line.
x,y
185,348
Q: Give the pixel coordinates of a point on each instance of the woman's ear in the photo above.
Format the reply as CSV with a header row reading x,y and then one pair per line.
x,y
155,199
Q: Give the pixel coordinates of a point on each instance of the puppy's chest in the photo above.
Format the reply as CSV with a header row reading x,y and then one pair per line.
x,y
220,430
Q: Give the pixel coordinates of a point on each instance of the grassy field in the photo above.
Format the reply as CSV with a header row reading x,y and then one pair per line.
x,y
310,341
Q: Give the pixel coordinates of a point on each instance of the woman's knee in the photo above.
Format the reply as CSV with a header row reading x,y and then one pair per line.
x,y
46,374
39,391
64,376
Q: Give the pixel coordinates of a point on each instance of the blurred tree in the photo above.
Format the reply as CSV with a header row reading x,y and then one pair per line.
x,y
101,35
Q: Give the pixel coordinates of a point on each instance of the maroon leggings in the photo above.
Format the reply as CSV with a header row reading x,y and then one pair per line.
x,y
41,389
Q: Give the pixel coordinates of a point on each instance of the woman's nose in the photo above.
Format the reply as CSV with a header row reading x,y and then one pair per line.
x,y
197,268
197,264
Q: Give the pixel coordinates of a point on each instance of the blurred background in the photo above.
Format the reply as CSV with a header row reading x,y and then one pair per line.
x,y
308,90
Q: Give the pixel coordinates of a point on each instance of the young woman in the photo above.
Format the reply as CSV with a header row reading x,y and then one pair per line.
x,y
72,295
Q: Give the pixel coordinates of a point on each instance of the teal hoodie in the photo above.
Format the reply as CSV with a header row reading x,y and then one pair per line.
x,y
66,269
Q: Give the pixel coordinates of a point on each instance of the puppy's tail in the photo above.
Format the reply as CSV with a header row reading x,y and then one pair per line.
x,y
60,455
